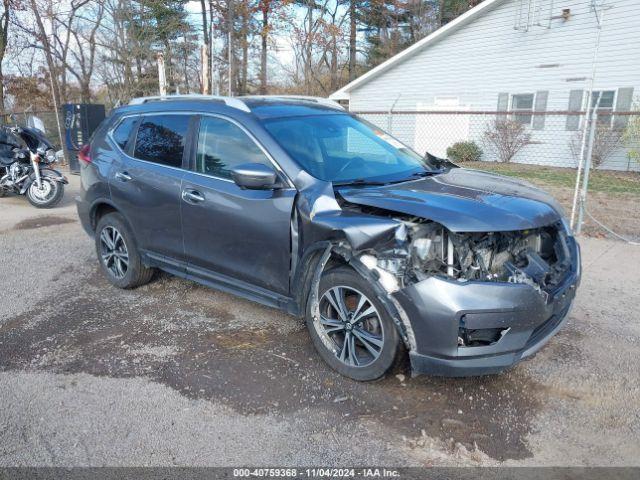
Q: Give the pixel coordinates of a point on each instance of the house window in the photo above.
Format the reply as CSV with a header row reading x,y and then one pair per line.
x,y
603,101
522,108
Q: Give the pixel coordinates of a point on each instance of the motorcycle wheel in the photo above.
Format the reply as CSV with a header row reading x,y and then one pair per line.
x,y
48,196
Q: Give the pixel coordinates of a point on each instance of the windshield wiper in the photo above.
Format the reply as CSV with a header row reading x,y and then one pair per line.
x,y
425,173
358,182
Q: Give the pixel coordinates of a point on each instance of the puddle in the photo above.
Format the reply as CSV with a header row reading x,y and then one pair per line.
x,y
40,222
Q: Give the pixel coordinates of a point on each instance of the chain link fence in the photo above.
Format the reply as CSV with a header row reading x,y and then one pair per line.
x,y
545,148
542,147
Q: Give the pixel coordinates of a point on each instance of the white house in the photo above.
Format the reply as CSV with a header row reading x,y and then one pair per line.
x,y
516,55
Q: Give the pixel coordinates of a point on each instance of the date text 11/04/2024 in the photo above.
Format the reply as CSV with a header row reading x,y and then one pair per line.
x,y
317,472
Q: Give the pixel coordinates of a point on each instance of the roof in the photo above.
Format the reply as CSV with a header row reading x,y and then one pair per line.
x,y
439,34
249,104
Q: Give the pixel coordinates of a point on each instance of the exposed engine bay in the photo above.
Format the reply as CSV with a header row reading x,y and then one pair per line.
x,y
538,257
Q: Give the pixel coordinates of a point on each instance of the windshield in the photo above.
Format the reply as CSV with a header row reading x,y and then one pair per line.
x,y
343,149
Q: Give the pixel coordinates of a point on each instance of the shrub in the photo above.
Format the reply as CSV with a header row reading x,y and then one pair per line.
x,y
464,152
506,138
606,141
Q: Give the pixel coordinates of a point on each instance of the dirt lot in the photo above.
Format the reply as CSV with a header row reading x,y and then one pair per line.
x,y
177,374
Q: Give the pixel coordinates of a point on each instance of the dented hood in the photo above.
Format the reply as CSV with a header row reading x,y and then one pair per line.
x,y
463,201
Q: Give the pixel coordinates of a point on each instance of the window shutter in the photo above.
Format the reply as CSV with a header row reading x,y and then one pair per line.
x,y
623,104
540,106
575,105
503,105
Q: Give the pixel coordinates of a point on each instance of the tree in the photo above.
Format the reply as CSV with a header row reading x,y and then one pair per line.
x,y
266,8
449,10
41,36
353,31
207,46
84,54
4,36
392,25
32,91
106,49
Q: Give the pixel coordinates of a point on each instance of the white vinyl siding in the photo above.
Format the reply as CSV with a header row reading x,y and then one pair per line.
x,y
487,57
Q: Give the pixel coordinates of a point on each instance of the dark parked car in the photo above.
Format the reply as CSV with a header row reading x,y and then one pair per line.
x,y
296,204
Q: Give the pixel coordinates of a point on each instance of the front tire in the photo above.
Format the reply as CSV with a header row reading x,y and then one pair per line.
x,y
48,196
118,254
353,332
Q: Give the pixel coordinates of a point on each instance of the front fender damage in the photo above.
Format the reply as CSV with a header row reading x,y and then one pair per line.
x,y
319,224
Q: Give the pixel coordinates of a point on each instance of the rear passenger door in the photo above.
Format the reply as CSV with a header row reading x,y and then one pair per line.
x,y
244,234
146,184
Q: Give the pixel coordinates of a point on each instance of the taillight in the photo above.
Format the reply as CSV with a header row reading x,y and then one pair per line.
x,y
84,155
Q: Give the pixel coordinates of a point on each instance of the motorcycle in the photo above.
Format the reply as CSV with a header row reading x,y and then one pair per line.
x,y
26,160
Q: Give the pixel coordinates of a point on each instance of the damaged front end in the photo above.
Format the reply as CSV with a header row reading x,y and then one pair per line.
x,y
539,257
477,302
466,298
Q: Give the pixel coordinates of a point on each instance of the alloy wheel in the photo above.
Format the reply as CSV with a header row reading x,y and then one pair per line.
x,y
113,251
350,326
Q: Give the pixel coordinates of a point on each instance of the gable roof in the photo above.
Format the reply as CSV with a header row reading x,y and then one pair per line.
x,y
469,16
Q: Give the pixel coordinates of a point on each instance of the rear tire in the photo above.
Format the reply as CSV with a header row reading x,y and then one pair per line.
x,y
373,345
118,253
50,195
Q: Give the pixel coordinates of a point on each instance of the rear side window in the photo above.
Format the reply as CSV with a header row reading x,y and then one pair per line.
x,y
122,133
161,139
222,146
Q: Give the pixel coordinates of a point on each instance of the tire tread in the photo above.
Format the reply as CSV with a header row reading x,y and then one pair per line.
x,y
140,273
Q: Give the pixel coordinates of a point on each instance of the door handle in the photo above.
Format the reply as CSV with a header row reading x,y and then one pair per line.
x,y
193,196
123,176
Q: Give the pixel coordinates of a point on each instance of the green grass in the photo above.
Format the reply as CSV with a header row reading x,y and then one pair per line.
x,y
599,181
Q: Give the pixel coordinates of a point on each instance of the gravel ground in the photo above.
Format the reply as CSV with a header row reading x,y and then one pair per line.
x,y
177,374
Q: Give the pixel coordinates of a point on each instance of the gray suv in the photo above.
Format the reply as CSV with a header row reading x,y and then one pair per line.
x,y
297,204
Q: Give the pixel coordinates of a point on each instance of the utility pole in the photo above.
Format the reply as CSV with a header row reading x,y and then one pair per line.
x,y
230,15
215,83
205,53
53,87
586,150
162,79
204,68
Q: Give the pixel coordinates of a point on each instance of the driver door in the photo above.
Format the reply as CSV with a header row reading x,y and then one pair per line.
x,y
229,231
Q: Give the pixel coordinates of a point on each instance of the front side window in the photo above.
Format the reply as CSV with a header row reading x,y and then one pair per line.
x,y
122,132
161,139
602,101
222,146
341,148
522,106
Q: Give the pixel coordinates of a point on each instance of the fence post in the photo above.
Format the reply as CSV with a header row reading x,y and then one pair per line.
x,y
390,115
587,169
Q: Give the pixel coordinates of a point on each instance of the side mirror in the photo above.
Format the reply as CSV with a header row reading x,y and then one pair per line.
x,y
254,176
439,162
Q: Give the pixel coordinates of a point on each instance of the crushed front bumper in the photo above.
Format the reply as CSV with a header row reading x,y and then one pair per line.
x,y
438,307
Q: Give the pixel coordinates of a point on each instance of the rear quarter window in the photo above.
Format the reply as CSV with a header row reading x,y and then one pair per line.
x,y
122,132
161,139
